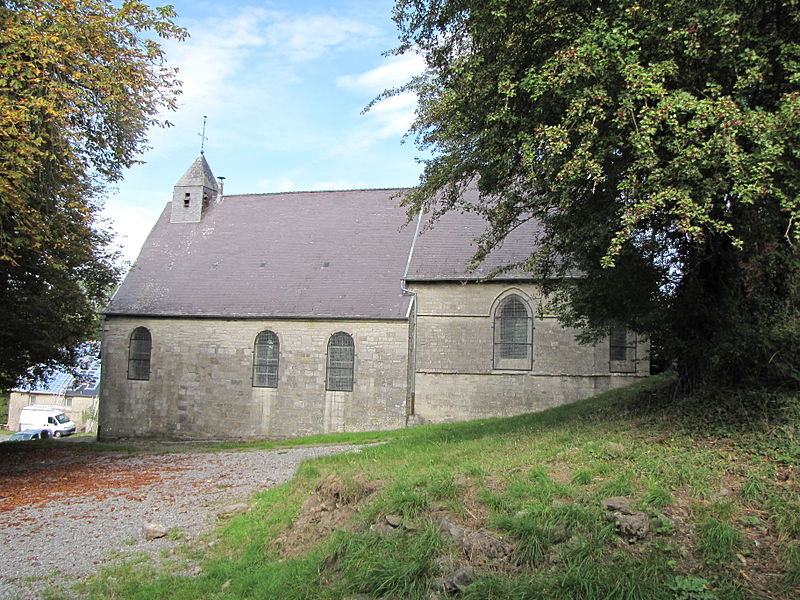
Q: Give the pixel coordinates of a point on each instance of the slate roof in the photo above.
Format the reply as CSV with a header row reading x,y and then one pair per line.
x,y
199,173
444,249
300,254
340,254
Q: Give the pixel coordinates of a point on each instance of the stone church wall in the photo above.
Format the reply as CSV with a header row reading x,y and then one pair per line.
x,y
200,384
456,378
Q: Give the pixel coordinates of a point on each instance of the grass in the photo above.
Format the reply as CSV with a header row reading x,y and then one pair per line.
x,y
721,489
3,408
718,541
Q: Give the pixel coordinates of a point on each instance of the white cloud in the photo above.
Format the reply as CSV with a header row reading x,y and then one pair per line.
x,y
131,223
223,64
216,52
394,115
208,63
391,117
307,37
397,71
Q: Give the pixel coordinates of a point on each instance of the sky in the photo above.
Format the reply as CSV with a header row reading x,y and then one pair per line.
x,y
283,85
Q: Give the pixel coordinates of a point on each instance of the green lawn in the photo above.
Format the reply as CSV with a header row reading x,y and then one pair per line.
x,y
3,409
715,480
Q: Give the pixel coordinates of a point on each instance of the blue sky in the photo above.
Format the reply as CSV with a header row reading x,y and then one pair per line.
x,y
283,85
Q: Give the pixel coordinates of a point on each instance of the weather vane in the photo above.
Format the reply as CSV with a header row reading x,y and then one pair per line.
x,y
203,137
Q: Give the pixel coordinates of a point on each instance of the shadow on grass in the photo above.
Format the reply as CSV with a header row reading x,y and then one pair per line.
x,y
603,408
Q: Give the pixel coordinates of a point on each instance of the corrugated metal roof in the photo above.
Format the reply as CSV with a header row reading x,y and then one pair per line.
x,y
85,381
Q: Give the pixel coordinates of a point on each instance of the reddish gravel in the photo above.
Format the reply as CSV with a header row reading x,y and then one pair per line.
x,y
53,475
64,510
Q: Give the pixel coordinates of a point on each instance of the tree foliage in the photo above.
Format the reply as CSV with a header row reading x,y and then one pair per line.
x,y
657,141
80,83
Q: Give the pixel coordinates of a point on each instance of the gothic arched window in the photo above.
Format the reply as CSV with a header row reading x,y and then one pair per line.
x,y
621,350
513,334
341,361
265,360
139,348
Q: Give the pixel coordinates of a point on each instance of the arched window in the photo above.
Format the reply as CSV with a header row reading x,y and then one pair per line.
x,y
513,334
341,360
265,360
621,350
139,354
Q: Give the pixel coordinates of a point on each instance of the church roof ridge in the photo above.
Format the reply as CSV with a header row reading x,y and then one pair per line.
x,y
376,189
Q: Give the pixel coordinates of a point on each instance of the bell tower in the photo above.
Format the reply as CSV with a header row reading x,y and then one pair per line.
x,y
193,192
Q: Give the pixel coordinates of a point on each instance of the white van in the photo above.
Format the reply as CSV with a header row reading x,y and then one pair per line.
x,y
46,417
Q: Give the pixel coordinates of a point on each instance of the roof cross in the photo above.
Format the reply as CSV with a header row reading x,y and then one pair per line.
x,y
203,137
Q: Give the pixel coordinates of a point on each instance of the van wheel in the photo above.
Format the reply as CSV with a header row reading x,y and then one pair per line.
x,y
56,434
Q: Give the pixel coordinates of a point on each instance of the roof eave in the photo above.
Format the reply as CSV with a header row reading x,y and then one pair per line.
x,y
251,317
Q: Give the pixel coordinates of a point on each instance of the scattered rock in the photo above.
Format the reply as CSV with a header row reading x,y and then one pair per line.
x,y
476,544
660,524
634,527
632,524
231,510
394,520
450,528
480,543
456,582
618,504
382,528
153,531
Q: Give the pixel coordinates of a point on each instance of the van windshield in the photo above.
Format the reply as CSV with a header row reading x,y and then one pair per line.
x,y
62,418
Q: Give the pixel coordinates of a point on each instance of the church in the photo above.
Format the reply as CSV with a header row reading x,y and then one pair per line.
x,y
288,314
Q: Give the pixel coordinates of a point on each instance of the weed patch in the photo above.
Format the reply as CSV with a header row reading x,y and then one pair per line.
x,y
791,556
385,566
657,497
718,541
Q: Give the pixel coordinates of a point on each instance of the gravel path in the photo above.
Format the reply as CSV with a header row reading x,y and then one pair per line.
x,y
62,537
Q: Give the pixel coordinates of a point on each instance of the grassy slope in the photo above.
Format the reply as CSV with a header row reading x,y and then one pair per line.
x,y
722,488
3,408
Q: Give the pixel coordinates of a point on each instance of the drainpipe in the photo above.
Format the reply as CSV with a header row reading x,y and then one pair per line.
x,y
412,314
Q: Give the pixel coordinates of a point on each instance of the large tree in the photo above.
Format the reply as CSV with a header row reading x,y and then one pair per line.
x,y
80,83
657,141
